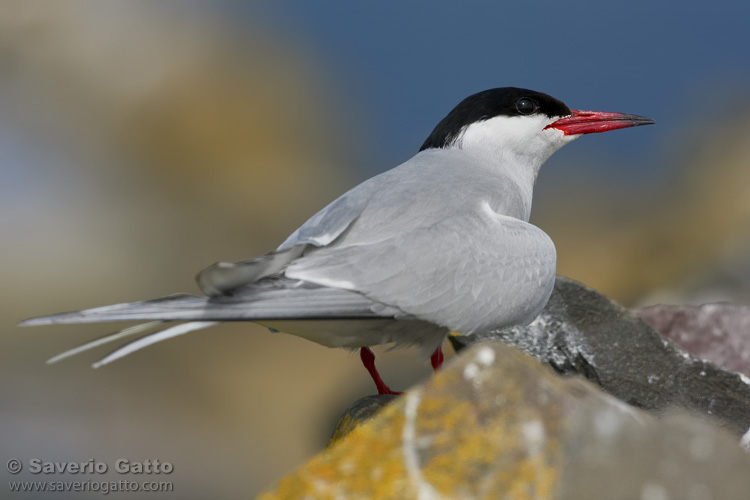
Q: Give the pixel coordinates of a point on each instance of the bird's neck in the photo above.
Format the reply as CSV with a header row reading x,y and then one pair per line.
x,y
519,170
512,148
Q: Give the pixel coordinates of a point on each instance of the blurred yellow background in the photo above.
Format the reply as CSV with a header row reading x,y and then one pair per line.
x,y
143,141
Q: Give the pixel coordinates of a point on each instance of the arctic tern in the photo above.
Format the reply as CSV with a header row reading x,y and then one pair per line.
x,y
441,243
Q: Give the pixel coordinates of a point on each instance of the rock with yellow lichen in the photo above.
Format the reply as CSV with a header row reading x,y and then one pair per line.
x,y
362,410
496,423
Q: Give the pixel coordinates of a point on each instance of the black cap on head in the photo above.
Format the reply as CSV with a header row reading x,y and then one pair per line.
x,y
505,101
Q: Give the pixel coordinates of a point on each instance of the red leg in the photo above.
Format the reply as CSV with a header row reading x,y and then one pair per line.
x,y
437,359
368,359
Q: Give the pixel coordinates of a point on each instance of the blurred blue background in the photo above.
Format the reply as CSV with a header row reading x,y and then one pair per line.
x,y
405,64
141,141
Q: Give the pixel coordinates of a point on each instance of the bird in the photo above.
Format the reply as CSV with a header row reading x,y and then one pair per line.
x,y
441,243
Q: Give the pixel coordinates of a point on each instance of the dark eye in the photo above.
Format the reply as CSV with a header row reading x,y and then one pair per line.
x,y
526,106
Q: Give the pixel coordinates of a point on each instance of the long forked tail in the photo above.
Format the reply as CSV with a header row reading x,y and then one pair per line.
x,y
171,308
135,345
125,332
278,300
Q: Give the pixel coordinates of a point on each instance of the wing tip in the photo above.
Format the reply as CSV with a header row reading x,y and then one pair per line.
x,y
44,320
126,311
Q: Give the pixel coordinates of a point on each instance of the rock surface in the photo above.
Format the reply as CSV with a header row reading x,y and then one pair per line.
x,y
719,333
496,423
362,410
582,332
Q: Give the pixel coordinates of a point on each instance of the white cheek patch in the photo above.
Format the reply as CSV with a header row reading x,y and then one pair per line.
x,y
506,129
515,136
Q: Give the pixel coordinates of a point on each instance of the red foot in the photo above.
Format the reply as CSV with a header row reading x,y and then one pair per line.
x,y
437,359
368,359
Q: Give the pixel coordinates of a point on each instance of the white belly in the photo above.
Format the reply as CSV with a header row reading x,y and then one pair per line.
x,y
355,333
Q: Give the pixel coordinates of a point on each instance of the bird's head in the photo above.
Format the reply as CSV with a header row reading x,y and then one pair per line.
x,y
520,125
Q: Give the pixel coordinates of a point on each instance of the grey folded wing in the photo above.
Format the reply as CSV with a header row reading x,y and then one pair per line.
x,y
272,302
466,273
272,299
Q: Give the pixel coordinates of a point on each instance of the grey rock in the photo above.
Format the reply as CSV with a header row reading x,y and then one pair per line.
x,y
673,458
582,332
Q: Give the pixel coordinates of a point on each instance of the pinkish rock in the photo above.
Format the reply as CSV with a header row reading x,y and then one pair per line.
x,y
719,333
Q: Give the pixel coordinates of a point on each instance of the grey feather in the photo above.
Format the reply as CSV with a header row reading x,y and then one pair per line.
x,y
224,277
269,300
331,222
